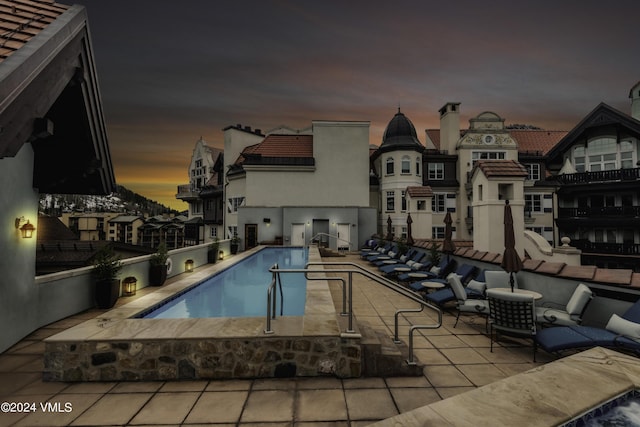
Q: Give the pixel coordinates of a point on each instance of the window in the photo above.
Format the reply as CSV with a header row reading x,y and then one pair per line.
x,y
422,205
437,232
578,158
604,153
404,202
533,203
390,166
533,171
234,203
403,235
406,165
436,171
214,232
438,202
418,161
391,201
232,231
486,155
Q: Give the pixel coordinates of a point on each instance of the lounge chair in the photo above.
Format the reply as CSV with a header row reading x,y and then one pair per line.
x,y
475,289
621,333
440,271
512,314
397,258
572,312
376,250
409,260
464,271
464,304
392,252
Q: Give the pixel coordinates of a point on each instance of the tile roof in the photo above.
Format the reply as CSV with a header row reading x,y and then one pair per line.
x,y
536,140
422,191
280,146
21,20
501,168
529,140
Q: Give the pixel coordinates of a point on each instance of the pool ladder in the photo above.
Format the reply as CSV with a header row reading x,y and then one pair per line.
x,y
347,296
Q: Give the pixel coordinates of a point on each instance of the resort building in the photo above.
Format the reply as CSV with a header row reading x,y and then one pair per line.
x,y
297,186
50,106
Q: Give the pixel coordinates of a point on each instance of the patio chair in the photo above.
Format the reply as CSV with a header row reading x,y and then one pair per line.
x,y
572,312
392,252
417,256
475,289
376,250
512,314
397,258
440,271
464,304
620,333
499,279
464,271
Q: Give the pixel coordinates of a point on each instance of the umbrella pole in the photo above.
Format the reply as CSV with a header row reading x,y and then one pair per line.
x,y
511,281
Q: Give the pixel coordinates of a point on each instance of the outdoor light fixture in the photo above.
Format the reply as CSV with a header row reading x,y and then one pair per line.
x,y
266,220
188,266
221,255
26,229
129,285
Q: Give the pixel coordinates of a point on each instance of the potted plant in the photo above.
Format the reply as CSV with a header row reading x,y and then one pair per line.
x,y
106,266
158,266
235,242
434,253
213,252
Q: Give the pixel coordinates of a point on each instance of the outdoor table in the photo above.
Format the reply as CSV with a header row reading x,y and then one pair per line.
x,y
432,286
418,275
401,269
389,261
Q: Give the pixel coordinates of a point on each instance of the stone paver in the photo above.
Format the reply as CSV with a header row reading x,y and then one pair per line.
x,y
456,360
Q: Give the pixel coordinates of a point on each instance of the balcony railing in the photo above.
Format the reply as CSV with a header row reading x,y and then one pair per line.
x,y
600,176
605,211
187,191
607,248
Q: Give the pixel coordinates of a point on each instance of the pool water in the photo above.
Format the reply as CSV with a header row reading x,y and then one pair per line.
x,y
623,411
241,290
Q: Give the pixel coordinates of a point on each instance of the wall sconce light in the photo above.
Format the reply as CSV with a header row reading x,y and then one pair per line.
x,y
26,229
129,285
221,255
266,220
188,266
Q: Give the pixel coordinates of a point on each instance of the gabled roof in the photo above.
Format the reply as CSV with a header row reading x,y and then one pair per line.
x,y
528,140
49,97
22,20
501,168
602,115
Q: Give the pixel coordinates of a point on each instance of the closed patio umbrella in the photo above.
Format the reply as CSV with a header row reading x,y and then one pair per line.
x,y
410,241
389,232
448,247
511,262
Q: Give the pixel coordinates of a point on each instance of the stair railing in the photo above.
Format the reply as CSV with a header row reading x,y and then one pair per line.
x,y
347,296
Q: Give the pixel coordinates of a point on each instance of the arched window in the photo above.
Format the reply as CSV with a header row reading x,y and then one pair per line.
x,y
389,165
406,165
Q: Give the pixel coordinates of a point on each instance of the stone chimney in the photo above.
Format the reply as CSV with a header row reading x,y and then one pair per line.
x,y
634,94
449,126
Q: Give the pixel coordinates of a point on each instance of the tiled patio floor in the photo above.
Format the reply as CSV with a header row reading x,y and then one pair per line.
x,y
456,360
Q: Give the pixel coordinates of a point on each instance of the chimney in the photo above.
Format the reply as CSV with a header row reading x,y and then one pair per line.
x,y
634,94
449,126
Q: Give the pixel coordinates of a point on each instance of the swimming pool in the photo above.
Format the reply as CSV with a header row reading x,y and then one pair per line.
x,y
241,290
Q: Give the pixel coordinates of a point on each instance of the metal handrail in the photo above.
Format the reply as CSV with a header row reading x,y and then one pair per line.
x,y
355,268
332,236
271,298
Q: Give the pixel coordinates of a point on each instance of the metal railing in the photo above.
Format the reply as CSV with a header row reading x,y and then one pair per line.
x,y
347,296
338,239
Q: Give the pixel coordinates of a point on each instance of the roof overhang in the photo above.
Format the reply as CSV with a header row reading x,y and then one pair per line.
x,y
49,97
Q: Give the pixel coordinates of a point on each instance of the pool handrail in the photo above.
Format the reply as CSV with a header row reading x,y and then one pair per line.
x,y
333,237
355,268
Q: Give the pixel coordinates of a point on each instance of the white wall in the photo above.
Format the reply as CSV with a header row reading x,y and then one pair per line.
x,y
18,304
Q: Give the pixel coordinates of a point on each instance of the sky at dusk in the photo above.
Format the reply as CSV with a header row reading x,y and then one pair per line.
x,y
173,71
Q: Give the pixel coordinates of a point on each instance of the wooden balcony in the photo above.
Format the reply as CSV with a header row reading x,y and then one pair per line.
x,y
600,176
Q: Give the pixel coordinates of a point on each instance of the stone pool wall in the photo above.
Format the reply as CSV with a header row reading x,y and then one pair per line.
x,y
273,357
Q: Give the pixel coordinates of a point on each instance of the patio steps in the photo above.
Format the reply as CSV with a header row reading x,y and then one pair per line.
x,y
381,357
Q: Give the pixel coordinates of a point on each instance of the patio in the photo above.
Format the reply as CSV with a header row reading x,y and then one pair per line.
x,y
456,360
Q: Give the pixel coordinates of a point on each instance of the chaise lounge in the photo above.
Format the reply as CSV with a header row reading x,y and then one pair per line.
x,y
621,333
